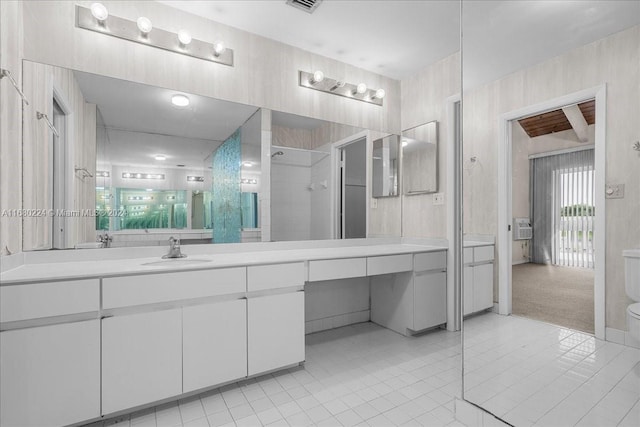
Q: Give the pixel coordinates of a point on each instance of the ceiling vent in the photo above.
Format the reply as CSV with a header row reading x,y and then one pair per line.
x,y
306,5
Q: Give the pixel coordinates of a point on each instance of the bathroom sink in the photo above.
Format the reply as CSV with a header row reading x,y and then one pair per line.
x,y
177,262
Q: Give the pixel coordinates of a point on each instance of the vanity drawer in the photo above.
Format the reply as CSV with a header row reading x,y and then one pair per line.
x,y
482,253
430,261
389,264
331,269
263,277
155,288
22,302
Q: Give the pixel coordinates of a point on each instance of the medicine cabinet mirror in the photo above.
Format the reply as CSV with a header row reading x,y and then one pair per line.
x,y
420,159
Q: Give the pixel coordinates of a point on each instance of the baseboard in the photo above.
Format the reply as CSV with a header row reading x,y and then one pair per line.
x,y
522,261
619,336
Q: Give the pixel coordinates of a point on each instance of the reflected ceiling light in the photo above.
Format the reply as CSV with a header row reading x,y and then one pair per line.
x,y
184,37
247,164
318,76
160,157
193,178
219,48
100,12
405,142
144,25
149,189
380,93
180,100
360,89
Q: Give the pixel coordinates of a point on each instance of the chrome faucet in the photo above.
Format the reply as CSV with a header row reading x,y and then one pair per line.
x,y
174,249
105,240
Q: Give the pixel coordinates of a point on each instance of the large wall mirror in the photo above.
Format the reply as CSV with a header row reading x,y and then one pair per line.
x,y
545,130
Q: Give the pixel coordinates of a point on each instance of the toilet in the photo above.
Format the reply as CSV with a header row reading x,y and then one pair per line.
x,y
632,286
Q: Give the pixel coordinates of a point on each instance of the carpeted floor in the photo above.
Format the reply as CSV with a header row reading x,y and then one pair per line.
x,y
559,295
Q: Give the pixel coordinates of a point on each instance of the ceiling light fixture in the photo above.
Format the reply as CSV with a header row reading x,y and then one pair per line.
x,y
318,81
97,18
180,100
247,164
100,12
144,25
184,37
219,48
160,157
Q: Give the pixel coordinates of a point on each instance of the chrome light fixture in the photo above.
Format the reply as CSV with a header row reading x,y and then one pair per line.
x,y
318,81
97,18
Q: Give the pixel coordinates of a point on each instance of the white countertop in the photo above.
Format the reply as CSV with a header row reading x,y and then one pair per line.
x,y
54,271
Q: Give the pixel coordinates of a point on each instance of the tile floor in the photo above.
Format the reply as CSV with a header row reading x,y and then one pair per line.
x,y
531,373
355,375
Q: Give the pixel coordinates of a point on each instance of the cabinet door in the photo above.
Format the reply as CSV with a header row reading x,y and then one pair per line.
x,y
482,287
429,300
214,344
276,331
467,301
141,359
50,374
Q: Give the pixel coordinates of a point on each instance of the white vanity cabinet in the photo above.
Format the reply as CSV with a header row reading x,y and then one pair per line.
x,y
141,359
412,301
214,343
478,278
275,322
50,375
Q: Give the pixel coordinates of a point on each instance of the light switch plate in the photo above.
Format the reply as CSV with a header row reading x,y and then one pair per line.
x,y
614,191
438,198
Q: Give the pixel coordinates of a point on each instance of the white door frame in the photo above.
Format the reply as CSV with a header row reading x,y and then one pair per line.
x,y
505,196
453,310
335,179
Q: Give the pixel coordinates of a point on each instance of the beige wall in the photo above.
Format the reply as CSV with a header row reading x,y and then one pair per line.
x,y
612,61
10,127
522,147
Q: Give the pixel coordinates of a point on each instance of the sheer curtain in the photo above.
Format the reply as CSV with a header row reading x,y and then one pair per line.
x,y
562,208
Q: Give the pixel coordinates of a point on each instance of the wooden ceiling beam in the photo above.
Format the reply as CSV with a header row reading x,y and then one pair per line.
x,y
578,122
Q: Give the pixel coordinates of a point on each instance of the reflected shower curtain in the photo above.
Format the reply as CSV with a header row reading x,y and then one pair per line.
x,y
562,208
226,211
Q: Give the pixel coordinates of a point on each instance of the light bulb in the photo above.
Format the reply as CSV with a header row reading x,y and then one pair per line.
x,y
179,100
361,88
219,48
380,93
318,76
144,25
99,11
184,37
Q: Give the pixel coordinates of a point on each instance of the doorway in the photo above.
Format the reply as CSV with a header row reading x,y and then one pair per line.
x,y
572,235
352,190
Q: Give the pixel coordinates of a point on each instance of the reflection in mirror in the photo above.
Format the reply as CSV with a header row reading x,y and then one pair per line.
x,y
541,127
303,176
385,166
420,159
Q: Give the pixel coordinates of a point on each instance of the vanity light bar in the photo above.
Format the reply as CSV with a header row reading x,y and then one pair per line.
x,y
248,181
193,178
170,198
103,174
359,92
131,198
140,175
141,31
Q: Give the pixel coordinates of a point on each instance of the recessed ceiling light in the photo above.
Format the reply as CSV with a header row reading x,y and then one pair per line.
x,y
149,189
179,100
160,157
247,164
